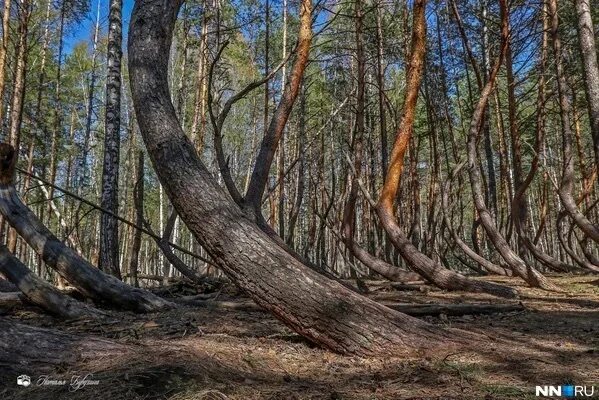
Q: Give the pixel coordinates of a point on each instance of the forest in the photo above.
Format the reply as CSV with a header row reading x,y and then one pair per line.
x,y
299,199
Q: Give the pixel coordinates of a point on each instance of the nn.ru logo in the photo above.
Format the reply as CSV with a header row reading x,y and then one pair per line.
x,y
565,391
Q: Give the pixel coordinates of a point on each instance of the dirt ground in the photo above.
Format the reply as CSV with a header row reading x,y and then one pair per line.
x,y
196,353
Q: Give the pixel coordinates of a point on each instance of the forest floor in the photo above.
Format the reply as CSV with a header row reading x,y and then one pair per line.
x,y
196,353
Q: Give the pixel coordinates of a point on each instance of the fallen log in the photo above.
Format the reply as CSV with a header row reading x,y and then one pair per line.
x,y
31,350
420,310
88,279
39,292
10,299
6,286
415,310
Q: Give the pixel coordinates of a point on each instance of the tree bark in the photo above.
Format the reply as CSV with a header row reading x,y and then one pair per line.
x,y
20,77
3,54
39,292
321,310
138,199
109,232
586,35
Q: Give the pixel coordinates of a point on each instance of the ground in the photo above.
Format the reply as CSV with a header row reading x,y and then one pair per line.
x,y
197,353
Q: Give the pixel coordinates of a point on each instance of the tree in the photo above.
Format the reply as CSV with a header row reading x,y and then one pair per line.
x,y
419,262
586,35
321,310
3,54
567,181
109,234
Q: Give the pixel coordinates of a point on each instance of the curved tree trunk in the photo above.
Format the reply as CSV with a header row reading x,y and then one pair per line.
x,y
519,206
276,128
321,310
567,182
88,279
474,256
526,272
39,292
419,262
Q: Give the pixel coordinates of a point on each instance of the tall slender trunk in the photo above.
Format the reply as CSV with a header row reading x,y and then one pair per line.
x,y
526,272
20,76
198,125
380,77
568,175
418,261
57,121
349,213
281,162
138,199
519,214
3,54
274,131
109,234
90,104
588,49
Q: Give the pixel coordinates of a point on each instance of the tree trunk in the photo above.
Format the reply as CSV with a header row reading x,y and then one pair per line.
x,y
3,54
319,309
418,261
109,233
520,222
253,197
52,349
90,105
138,199
526,272
20,77
586,35
39,292
567,182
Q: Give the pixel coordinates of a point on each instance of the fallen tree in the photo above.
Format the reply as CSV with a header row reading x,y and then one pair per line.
x,y
27,349
89,280
39,292
320,309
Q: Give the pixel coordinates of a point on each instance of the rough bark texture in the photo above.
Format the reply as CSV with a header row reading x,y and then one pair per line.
x,y
109,233
81,274
50,349
586,35
321,310
39,292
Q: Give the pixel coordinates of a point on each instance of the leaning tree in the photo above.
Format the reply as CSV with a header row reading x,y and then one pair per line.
x,y
320,309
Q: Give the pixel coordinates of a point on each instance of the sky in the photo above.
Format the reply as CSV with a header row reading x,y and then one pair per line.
x,y
83,30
